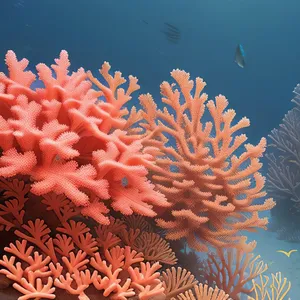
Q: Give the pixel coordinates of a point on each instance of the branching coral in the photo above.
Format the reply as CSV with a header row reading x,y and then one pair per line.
x,y
177,281
232,269
80,219
73,259
277,290
71,139
159,250
283,178
213,191
203,292
12,210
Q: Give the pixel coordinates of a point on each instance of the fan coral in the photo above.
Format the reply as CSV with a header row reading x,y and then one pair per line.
x,y
213,192
74,140
283,178
232,269
203,292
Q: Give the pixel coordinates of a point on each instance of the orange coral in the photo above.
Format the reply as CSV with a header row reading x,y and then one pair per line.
x,y
232,269
177,281
85,153
158,251
73,259
203,292
211,188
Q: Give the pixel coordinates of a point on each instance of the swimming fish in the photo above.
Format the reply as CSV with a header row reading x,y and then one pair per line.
x,y
171,32
288,254
240,56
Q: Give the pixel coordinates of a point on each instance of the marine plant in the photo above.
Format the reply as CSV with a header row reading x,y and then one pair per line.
x,y
283,178
92,193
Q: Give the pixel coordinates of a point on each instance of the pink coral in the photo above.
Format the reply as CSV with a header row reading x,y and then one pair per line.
x,y
70,141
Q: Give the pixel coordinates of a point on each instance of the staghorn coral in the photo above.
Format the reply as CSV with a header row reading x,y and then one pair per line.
x,y
277,290
232,269
85,261
71,258
74,140
212,190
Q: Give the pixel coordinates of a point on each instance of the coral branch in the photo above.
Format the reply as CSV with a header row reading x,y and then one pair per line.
x,y
209,186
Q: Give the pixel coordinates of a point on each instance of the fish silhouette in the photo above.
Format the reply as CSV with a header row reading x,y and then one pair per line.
x,y
171,32
239,57
288,254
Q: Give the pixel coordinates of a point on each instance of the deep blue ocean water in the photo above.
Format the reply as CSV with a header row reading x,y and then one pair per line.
x,y
128,34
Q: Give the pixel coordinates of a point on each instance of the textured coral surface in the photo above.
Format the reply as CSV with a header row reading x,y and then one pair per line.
x,y
99,202
70,141
214,191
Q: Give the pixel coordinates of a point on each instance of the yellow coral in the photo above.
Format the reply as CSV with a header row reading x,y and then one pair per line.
x,y
275,291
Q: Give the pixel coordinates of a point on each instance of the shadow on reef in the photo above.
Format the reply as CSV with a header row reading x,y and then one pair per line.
x,y
283,179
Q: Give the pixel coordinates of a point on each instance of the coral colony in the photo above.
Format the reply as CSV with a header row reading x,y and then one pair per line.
x,y
99,202
284,176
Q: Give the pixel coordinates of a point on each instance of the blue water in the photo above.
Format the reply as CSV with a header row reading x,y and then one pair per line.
x,y
128,35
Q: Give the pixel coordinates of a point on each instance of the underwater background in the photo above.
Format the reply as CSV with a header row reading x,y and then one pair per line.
x,y
149,39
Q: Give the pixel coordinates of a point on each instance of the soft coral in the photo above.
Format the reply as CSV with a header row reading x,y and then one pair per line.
x,y
60,136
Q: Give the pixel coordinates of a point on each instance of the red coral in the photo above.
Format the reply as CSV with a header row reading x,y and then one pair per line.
x,y
70,141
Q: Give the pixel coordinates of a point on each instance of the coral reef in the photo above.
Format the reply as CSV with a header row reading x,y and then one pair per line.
x,y
277,290
214,193
99,202
66,143
283,179
84,260
232,269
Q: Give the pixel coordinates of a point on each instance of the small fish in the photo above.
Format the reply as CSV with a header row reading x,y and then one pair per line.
x,y
240,56
171,32
288,254
124,182
19,4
